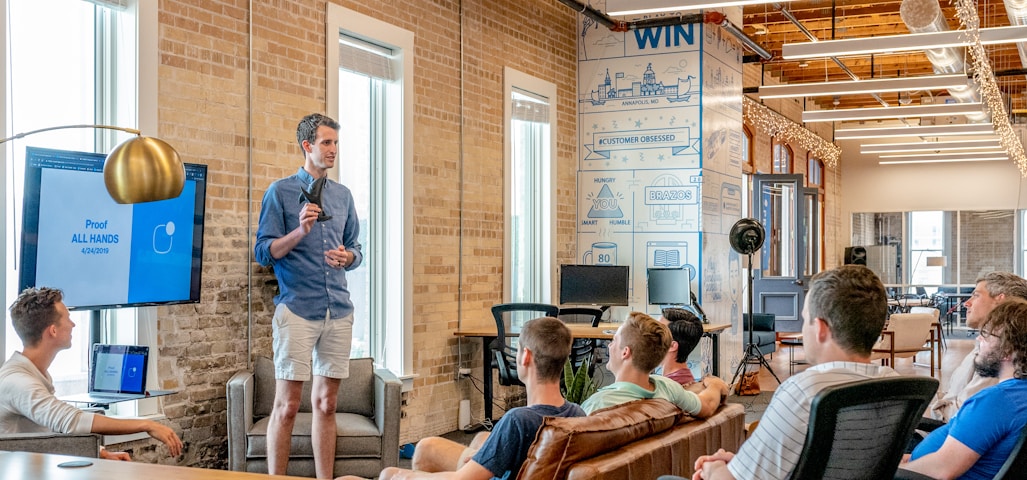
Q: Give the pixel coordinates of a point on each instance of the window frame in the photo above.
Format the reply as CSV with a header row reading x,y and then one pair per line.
x,y
396,304
782,147
516,80
137,325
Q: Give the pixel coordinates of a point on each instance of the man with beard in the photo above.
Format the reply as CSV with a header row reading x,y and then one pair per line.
x,y
991,290
979,439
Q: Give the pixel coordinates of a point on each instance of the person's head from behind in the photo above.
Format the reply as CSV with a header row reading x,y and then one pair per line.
x,y
549,342
1003,338
850,301
640,339
685,332
318,137
37,310
992,289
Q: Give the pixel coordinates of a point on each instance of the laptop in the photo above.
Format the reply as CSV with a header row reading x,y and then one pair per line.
x,y
116,373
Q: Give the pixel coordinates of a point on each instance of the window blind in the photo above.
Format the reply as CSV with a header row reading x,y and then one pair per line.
x,y
361,56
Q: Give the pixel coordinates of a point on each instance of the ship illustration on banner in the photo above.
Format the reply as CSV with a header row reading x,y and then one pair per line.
x,y
646,89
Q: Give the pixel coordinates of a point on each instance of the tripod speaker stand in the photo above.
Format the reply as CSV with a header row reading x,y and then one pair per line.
x,y
746,237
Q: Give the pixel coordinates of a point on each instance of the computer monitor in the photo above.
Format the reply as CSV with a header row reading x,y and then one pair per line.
x,y
668,286
605,285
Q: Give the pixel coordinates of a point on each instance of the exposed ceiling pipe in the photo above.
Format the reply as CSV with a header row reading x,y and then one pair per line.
x,y
922,16
1016,10
714,18
813,38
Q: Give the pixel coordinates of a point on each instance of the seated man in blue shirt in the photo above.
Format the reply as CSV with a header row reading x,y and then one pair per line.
x,y
637,349
979,439
542,351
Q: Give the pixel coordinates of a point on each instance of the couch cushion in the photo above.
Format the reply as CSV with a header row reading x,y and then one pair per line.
x,y
356,393
358,436
560,442
672,452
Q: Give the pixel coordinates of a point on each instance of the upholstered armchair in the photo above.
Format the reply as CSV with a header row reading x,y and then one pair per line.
x,y
367,417
75,444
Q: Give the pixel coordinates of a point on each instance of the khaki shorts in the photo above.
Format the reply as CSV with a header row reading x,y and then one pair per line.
x,y
297,342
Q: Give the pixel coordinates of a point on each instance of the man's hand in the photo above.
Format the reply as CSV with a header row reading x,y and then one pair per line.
x,y
706,463
119,456
716,383
308,216
339,257
167,436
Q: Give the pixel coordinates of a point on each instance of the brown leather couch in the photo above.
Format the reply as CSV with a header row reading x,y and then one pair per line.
x,y
638,440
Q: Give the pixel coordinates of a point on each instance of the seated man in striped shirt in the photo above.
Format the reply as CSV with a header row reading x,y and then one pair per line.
x,y
844,314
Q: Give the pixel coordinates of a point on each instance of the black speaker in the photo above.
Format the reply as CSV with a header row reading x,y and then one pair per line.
x,y
855,256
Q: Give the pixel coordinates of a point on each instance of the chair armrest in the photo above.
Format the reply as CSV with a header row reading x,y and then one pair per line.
x,y
240,418
929,424
75,444
387,411
903,474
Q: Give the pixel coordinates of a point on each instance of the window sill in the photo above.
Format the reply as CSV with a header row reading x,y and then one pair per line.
x,y
109,440
408,382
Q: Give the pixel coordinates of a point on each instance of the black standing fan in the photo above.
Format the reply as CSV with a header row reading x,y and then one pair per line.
x,y
746,237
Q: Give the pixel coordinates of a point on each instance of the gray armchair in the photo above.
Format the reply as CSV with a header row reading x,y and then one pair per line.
x,y
75,444
367,417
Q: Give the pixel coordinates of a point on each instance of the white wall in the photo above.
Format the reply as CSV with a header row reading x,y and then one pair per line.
x,y
869,187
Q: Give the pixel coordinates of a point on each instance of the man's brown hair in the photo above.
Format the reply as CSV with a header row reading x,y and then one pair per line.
x,y
853,302
33,312
648,340
550,343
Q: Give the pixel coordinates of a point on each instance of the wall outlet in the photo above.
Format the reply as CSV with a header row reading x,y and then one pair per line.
x,y
465,372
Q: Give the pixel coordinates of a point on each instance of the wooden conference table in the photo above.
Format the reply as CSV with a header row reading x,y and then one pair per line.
x,y
44,466
579,330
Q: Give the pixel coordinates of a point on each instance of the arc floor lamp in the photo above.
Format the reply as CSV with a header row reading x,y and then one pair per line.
x,y
141,169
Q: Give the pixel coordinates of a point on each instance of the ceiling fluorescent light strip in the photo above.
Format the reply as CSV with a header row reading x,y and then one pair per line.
x,y
892,112
905,131
928,146
900,43
856,87
944,160
957,155
645,7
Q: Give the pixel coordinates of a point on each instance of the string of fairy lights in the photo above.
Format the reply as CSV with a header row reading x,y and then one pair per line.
x,y
778,126
966,12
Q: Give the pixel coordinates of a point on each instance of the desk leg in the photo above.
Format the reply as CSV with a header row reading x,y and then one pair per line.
x,y
715,338
486,375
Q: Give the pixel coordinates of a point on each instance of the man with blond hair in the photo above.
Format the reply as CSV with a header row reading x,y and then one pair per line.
x,y
542,351
638,347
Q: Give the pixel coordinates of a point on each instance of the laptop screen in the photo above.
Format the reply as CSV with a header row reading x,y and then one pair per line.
x,y
118,369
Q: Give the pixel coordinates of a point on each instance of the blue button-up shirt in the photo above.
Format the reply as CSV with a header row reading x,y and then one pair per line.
x,y
306,283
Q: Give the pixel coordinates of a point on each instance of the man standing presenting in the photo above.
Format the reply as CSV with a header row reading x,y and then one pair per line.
x,y
308,231
27,401
991,290
844,314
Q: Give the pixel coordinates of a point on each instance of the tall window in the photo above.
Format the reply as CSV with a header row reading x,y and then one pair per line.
x,y
99,81
926,234
782,157
370,93
815,210
530,118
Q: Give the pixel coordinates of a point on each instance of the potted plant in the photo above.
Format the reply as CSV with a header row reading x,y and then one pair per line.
x,y
578,384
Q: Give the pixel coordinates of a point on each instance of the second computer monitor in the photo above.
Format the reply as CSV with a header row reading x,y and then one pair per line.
x,y
668,286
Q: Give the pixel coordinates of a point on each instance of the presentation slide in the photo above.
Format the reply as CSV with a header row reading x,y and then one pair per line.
x,y
102,253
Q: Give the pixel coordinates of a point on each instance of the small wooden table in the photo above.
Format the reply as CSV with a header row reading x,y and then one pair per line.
x,y
792,341
604,331
44,466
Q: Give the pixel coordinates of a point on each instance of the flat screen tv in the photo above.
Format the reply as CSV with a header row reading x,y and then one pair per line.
x,y
103,254
668,286
605,285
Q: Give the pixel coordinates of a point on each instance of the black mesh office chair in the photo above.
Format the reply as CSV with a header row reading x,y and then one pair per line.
x,y
860,429
511,316
582,347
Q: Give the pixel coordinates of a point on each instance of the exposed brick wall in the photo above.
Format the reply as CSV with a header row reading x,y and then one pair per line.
x,y
458,239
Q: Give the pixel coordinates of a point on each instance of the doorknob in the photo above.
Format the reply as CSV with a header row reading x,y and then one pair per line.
x,y
799,282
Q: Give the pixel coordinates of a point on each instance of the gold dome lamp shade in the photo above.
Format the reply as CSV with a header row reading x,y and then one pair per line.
x,y
139,170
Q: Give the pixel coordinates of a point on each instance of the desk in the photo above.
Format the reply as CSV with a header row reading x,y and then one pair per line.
x,y
578,330
40,465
